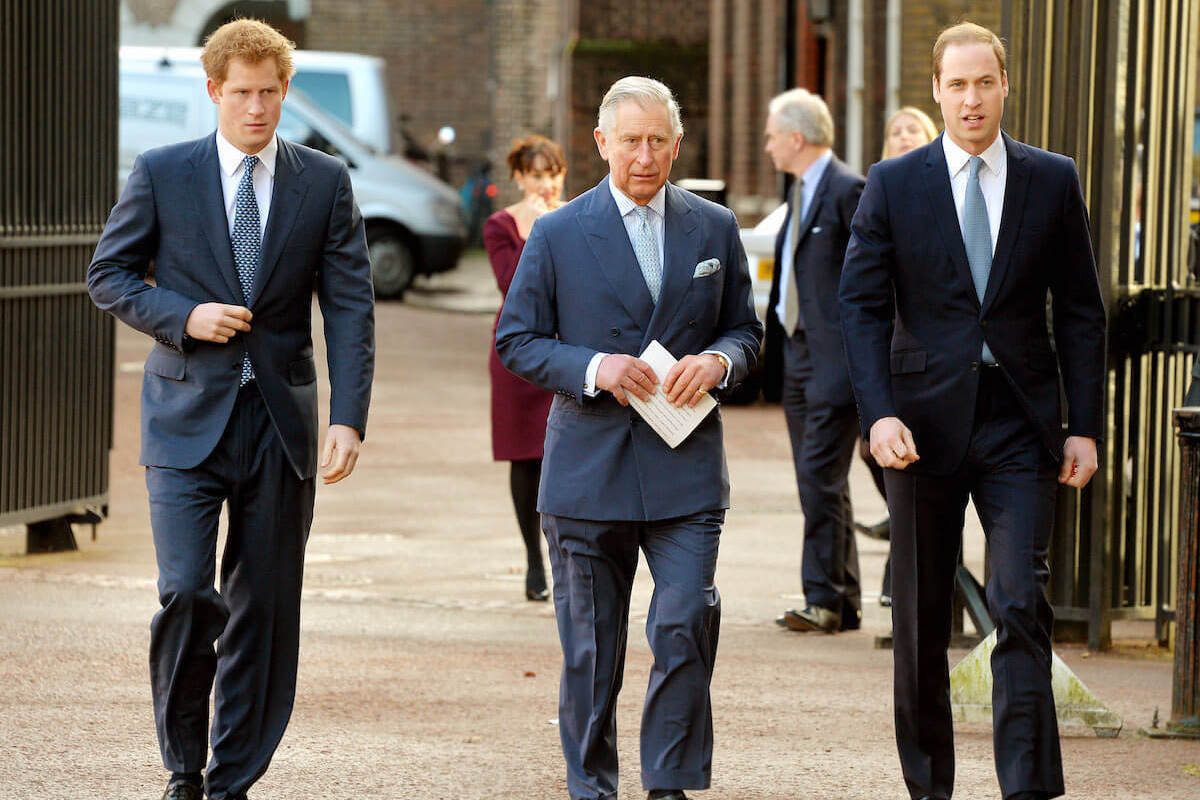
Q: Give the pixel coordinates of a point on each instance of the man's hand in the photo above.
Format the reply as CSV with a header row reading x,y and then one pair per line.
x,y
691,378
892,443
620,374
1079,461
340,453
217,322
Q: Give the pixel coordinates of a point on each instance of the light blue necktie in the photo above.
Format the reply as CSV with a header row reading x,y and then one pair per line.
x,y
977,236
247,242
645,247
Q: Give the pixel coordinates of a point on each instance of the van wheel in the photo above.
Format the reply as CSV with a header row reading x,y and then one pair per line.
x,y
391,265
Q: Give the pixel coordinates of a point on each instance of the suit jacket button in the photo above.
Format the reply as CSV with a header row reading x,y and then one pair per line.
x,y
974,366
614,331
691,323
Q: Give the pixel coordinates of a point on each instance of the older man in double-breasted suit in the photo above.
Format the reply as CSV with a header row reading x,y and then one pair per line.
x,y
632,261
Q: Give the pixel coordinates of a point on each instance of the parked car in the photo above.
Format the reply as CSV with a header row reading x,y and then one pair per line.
x,y
759,243
414,222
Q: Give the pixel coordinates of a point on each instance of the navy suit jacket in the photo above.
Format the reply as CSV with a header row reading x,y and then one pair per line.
x,y
819,251
914,326
172,214
578,290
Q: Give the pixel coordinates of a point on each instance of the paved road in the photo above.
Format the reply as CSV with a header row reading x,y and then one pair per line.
x,y
425,674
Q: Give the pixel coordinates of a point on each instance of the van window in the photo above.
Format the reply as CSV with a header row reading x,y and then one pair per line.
x,y
295,129
329,90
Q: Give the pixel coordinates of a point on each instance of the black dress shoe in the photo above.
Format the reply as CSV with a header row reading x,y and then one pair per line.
x,y
880,530
813,618
666,794
183,790
535,584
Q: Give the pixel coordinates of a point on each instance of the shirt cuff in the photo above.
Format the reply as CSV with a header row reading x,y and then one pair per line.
x,y
725,362
589,380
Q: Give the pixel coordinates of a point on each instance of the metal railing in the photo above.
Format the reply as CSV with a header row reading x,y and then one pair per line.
x,y
1112,84
58,148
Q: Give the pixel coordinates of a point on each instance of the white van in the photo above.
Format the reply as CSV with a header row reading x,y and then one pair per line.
x,y
348,86
415,223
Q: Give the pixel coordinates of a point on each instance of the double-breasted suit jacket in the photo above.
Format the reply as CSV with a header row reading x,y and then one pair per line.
x,y
579,291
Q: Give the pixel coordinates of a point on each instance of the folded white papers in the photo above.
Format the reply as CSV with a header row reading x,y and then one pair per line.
x,y
671,423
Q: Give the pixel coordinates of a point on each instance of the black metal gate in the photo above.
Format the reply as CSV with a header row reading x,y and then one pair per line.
x,y
1112,83
58,149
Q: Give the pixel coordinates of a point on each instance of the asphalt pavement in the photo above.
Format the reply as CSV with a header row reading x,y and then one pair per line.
x,y
424,673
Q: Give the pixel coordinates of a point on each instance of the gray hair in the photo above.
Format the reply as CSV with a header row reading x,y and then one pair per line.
x,y
646,92
805,113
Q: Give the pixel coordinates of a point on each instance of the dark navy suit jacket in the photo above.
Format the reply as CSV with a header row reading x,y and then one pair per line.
x,y
819,250
914,326
172,214
578,290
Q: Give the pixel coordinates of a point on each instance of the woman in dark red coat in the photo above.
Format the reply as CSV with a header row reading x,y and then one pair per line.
x,y
519,409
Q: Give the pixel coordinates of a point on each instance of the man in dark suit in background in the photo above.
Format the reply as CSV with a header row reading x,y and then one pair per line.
x,y
241,227
631,261
804,340
955,247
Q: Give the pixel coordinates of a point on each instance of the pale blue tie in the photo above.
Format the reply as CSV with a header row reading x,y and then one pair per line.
x,y
645,247
977,236
247,242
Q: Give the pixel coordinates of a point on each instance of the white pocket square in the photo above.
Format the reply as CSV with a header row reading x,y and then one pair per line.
x,y
707,267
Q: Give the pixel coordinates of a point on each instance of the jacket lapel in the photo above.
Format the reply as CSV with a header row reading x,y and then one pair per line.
x,y
680,249
941,199
209,200
287,193
608,240
1016,186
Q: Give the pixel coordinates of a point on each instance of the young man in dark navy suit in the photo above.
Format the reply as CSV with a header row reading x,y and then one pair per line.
x,y
955,248
241,227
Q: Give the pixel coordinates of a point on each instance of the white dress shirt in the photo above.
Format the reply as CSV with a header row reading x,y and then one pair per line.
x,y
787,271
231,175
657,221
993,175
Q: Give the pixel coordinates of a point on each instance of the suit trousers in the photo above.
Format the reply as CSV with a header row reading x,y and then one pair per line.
x,y
824,437
255,616
1011,477
594,565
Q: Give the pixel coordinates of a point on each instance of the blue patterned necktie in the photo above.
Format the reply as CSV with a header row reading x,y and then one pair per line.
x,y
645,247
977,236
247,242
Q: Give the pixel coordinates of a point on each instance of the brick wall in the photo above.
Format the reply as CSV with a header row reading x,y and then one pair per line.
x,y
438,58
662,39
527,35
923,20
